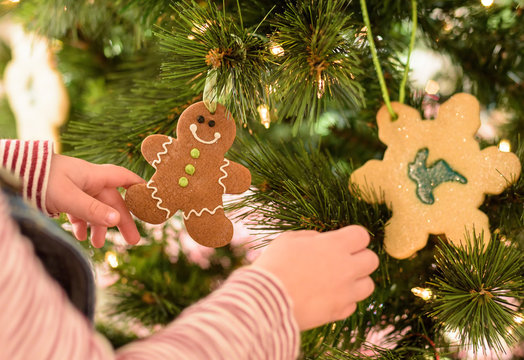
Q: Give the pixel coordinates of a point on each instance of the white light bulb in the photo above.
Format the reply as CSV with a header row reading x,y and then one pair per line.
x,y
504,146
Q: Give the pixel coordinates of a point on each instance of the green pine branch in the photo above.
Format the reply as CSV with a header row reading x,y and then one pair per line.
x,y
487,43
373,352
132,104
299,187
106,26
204,39
117,337
478,291
115,137
319,62
296,186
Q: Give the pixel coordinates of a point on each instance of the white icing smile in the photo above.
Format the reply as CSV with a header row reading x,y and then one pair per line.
x,y
193,129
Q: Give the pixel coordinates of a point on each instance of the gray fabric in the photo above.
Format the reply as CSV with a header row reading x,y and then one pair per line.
x,y
61,255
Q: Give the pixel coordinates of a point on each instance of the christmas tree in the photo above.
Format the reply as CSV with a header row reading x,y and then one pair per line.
x,y
305,81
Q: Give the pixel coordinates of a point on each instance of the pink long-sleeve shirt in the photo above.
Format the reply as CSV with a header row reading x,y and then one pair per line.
x,y
249,317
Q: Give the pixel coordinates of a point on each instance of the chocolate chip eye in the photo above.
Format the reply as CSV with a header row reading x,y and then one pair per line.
x,y
211,123
201,119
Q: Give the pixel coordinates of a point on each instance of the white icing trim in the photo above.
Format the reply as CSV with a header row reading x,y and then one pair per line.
x,y
150,185
159,201
164,145
199,213
225,174
193,129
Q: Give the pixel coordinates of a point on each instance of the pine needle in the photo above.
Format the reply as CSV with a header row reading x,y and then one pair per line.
x,y
478,291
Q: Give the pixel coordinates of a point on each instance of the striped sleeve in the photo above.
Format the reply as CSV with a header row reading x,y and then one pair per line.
x,y
250,317
37,320
29,161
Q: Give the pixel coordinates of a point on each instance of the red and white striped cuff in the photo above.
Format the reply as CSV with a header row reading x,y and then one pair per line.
x,y
30,162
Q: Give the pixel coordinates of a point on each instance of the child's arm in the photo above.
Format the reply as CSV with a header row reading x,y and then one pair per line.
x,y
256,314
250,316
259,310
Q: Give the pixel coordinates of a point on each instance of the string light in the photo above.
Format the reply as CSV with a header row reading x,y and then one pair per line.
x,y
486,3
504,145
422,293
276,50
453,336
15,1
200,28
321,88
362,32
432,87
111,259
271,89
265,119
519,319
361,35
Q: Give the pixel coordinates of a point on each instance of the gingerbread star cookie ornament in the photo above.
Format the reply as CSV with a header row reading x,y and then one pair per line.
x,y
192,175
433,175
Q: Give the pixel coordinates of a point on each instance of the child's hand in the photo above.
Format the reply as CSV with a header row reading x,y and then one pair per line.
x,y
325,274
88,194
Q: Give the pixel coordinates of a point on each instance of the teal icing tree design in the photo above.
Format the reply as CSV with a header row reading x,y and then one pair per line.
x,y
428,178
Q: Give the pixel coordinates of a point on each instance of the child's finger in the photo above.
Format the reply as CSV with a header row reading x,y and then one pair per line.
x,y
126,225
115,176
354,237
89,209
364,262
79,227
98,235
362,288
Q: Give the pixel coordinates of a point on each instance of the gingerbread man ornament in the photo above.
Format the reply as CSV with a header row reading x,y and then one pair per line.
x,y
192,175
433,175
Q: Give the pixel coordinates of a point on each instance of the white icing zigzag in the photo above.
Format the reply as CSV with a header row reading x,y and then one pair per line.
x,y
164,145
150,182
199,213
225,174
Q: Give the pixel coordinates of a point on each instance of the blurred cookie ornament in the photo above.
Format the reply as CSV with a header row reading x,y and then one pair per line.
x,y
192,175
433,175
34,88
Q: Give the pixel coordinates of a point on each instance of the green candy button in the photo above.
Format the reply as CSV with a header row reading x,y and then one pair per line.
x,y
190,169
183,181
195,153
